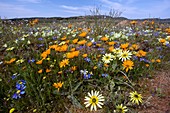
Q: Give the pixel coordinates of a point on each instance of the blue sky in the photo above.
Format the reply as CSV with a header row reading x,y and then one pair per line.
x,y
132,9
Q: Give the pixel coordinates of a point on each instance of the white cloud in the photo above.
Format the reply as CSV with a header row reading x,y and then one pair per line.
x,y
11,10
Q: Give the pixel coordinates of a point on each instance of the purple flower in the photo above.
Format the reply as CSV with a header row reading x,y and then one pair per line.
x,y
40,38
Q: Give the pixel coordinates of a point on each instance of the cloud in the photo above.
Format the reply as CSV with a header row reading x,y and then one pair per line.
x,y
11,10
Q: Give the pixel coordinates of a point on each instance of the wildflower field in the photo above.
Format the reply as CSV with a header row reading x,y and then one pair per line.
x,y
91,66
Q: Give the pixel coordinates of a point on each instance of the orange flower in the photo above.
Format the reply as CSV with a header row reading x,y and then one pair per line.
x,y
60,72
11,61
128,64
63,48
158,60
45,53
64,62
73,68
69,25
58,85
153,60
167,30
82,42
76,53
147,65
84,55
162,40
83,34
111,43
64,38
73,49
39,62
89,44
124,46
69,55
48,70
75,41
133,22
104,38
141,53
135,46
79,29
95,67
40,71
111,48
98,45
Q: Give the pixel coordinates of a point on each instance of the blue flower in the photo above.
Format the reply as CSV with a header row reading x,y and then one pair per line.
x,y
87,59
32,60
40,38
104,75
18,94
20,85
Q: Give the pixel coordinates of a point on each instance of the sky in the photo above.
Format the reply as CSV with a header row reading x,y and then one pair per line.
x,y
132,9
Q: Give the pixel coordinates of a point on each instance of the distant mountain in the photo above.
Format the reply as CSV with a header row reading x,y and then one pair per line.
x,y
80,18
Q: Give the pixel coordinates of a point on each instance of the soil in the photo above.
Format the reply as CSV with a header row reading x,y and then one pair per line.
x,y
158,93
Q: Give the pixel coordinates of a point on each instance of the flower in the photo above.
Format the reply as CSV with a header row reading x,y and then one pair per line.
x,y
128,64
83,34
135,97
104,38
124,55
81,42
107,58
39,62
121,109
141,53
64,62
58,85
12,110
40,71
94,99
124,46
11,61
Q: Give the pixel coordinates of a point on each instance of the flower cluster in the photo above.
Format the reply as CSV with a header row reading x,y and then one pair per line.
x,y
20,87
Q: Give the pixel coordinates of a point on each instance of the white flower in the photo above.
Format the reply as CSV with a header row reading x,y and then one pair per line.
x,y
107,58
124,55
94,99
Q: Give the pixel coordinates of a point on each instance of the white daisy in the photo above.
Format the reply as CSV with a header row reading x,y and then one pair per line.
x,y
124,55
94,99
107,58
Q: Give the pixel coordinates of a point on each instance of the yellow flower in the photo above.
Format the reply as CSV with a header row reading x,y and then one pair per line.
x,y
121,109
12,110
64,62
135,97
58,85
84,55
128,64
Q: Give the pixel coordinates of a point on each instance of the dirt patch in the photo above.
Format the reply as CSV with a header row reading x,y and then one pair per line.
x,y
158,93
